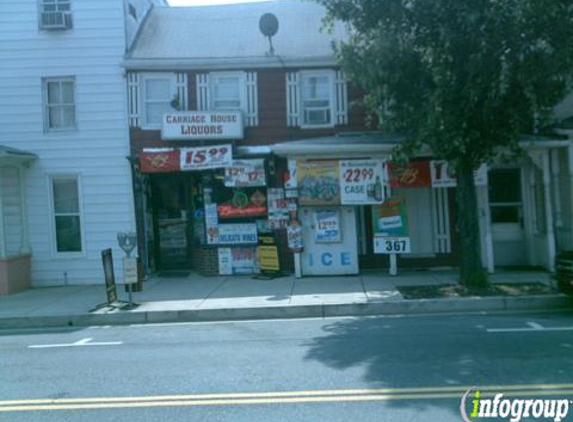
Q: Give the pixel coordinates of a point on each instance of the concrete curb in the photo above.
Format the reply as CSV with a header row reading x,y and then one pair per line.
x,y
402,307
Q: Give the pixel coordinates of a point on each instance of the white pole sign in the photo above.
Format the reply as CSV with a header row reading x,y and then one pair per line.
x,y
361,182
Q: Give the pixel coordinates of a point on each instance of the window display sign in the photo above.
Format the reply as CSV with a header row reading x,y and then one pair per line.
x,y
211,224
240,260
327,223
444,176
318,182
390,218
361,182
206,157
245,173
278,211
415,174
236,234
201,125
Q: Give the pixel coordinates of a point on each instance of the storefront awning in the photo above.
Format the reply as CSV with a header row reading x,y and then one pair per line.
x,y
341,145
13,156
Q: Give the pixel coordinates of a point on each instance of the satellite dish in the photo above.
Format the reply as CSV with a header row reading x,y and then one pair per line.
x,y
269,26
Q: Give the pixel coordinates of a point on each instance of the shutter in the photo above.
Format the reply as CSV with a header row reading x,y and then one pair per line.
x,y
292,97
252,99
133,99
203,91
181,85
341,99
441,215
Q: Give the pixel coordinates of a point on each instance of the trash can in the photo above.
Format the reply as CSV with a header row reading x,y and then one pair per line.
x,y
564,271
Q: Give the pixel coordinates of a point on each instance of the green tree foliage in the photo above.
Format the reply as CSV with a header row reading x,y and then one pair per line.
x,y
463,77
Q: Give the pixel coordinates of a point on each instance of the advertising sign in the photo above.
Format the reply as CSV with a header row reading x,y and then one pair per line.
x,y
361,182
444,176
245,173
211,224
268,254
236,234
278,211
129,270
206,157
159,160
202,125
291,175
318,182
391,245
327,226
415,174
225,261
294,237
110,290
390,218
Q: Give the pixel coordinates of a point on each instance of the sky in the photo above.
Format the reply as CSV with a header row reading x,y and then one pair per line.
x,y
207,2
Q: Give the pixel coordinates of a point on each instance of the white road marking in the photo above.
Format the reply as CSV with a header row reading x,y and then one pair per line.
x,y
80,343
533,327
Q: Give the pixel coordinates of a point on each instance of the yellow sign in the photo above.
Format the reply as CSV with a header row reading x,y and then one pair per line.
x,y
268,258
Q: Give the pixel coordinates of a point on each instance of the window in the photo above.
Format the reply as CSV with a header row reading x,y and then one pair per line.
x,y
505,195
317,98
158,93
67,215
55,14
59,104
228,91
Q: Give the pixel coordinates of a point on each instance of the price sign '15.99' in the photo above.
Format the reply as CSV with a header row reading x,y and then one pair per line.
x,y
206,157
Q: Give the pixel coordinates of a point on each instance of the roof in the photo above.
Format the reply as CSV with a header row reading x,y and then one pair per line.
x,y
10,155
228,35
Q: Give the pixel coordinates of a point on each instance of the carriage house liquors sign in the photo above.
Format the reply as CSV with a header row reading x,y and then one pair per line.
x,y
201,125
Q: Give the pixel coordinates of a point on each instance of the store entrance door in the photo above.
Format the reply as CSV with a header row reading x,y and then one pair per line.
x,y
506,207
330,241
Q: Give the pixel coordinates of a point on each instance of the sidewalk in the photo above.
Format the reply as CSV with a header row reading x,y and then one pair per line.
x,y
199,298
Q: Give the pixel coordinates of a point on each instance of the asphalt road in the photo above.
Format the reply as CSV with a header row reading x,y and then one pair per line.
x,y
412,368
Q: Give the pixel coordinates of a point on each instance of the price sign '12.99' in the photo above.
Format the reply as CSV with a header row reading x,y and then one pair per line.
x,y
206,157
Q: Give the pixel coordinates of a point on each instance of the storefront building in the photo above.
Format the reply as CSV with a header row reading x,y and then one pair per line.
x,y
250,158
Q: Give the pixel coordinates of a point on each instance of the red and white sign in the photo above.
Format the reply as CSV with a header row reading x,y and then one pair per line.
x,y
444,176
245,173
361,182
206,157
159,160
202,125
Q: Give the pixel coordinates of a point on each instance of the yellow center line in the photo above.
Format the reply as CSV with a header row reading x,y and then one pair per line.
x,y
270,400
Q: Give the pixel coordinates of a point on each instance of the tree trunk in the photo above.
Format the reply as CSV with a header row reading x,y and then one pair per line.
x,y
471,270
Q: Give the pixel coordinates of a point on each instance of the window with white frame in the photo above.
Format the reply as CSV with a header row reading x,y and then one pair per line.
x,y
158,95
317,99
228,91
67,214
59,103
55,14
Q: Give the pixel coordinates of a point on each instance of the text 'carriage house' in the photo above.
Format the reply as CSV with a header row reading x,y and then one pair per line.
x,y
251,155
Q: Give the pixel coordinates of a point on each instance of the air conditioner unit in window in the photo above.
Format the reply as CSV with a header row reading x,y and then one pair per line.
x,y
56,20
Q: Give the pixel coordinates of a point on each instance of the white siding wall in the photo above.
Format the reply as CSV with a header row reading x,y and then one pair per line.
x,y
91,52
132,25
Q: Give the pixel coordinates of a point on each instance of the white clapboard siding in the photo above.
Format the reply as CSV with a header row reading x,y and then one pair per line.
x,y
10,188
181,86
91,52
441,215
341,105
292,95
203,102
133,99
252,99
